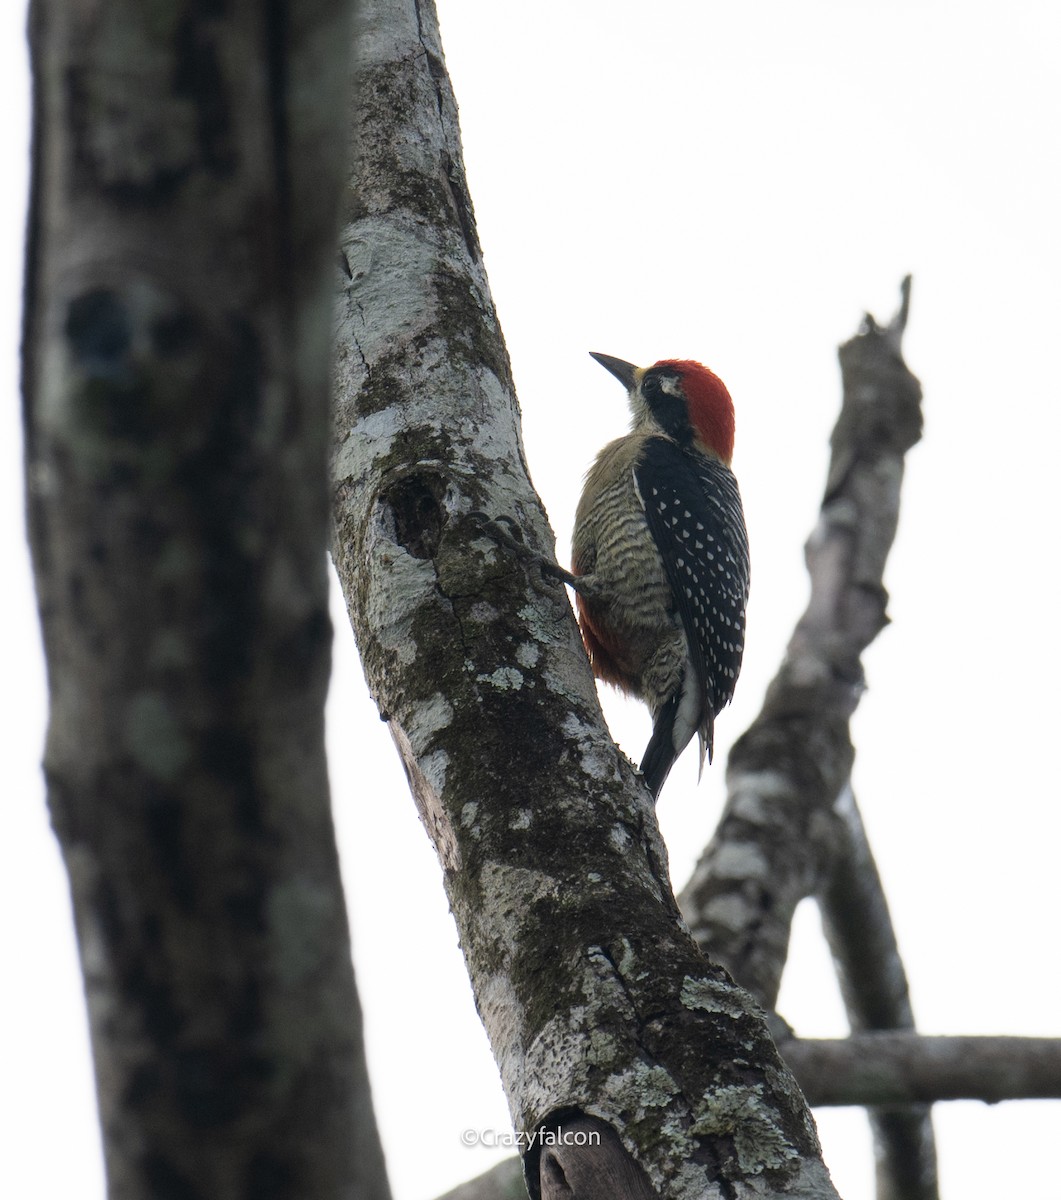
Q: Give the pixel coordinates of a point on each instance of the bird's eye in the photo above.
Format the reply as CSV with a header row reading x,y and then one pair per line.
x,y
662,384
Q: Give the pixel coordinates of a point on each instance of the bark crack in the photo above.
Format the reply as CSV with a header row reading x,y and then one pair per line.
x,y
461,204
452,169
455,610
609,958
353,337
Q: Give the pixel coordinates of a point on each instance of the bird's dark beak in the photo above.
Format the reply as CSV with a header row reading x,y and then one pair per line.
x,y
625,372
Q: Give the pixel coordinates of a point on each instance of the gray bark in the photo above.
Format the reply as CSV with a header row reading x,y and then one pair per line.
x,y
781,835
180,256
595,999
791,827
880,1069
873,983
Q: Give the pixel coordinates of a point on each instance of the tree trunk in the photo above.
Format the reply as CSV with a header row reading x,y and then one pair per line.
x,y
179,284
596,1001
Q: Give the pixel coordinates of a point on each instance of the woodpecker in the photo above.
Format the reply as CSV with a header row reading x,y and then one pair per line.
x,y
660,557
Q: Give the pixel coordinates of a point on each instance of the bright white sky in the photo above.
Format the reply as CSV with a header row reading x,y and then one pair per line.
x,y
734,183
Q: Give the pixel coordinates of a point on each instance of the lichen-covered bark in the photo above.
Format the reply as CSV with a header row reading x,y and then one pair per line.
x,y
181,250
780,833
896,1069
791,827
595,999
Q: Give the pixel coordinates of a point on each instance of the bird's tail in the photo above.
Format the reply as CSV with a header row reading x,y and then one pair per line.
x,y
661,750
659,754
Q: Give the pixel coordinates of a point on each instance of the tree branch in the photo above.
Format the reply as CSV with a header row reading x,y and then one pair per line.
x,y
892,1069
780,835
790,828
879,420
859,931
504,1181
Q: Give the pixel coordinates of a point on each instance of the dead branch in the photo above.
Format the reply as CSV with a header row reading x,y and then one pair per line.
x,y
790,828
900,1069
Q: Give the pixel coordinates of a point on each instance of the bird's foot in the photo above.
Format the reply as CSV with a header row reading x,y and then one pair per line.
x,y
507,532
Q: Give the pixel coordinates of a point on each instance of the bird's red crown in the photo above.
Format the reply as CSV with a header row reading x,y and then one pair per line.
x,y
710,405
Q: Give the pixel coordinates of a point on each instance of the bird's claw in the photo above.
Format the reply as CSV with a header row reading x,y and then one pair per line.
x,y
512,536
507,532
